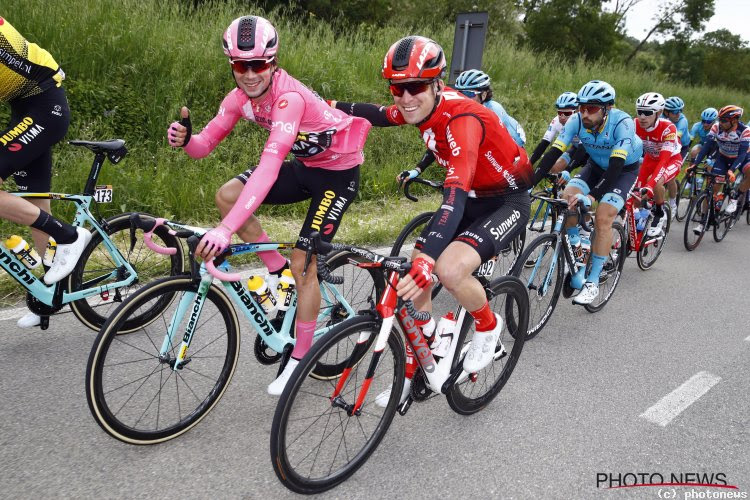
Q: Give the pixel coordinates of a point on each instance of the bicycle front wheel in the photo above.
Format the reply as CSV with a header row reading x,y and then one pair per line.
x,y
612,268
136,393
97,267
541,271
317,441
696,222
651,247
472,392
684,196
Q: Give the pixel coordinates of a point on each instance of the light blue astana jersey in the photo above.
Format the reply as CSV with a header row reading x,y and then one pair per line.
x,y
510,123
697,131
615,139
683,131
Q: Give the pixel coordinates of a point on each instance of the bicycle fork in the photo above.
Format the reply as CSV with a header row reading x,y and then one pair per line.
x,y
192,303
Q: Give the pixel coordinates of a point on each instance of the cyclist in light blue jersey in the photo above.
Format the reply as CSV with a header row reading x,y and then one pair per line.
x,y
475,85
673,107
701,129
608,136
567,105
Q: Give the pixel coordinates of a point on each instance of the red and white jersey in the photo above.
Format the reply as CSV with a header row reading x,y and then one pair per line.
x,y
661,137
474,146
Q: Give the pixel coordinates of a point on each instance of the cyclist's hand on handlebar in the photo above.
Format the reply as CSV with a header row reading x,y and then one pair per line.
x,y
563,178
579,197
731,176
419,278
214,242
178,133
406,175
647,192
691,168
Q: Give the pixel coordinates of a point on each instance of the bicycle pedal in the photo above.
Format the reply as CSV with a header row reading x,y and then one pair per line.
x,y
404,407
44,322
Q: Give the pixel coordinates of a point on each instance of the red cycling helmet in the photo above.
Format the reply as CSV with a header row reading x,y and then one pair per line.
x,y
250,37
414,57
730,112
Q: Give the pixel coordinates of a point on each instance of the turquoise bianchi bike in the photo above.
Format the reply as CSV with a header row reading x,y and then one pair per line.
x,y
162,379
112,264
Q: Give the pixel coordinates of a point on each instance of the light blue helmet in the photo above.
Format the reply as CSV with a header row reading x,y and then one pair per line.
x,y
674,104
596,92
567,100
472,79
709,115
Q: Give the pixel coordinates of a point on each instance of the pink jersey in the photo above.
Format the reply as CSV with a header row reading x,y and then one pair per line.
x,y
300,122
661,137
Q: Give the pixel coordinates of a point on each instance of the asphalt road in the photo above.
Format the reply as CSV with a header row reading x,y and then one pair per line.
x,y
657,383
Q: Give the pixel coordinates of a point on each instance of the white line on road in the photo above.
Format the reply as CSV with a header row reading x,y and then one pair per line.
x,y
677,401
748,339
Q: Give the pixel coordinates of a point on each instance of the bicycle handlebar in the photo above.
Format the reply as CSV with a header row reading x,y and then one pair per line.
x,y
148,227
433,184
216,273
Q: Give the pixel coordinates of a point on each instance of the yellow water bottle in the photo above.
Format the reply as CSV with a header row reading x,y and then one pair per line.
x,y
285,290
262,295
23,251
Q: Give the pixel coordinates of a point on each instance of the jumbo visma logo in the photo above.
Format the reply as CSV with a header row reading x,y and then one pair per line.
x,y
25,132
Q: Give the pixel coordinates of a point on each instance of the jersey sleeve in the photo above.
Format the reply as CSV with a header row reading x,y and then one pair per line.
x,y
569,131
200,145
552,130
467,133
624,136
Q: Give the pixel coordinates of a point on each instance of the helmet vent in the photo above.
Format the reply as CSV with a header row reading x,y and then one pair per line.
x,y
401,57
246,33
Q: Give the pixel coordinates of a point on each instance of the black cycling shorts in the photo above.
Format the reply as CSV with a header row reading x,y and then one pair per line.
x,y
330,193
489,224
591,174
36,124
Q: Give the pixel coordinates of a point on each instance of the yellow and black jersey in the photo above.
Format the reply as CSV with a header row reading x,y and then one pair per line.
x,y
26,69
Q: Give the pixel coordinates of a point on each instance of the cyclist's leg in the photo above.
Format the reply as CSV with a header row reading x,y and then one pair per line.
x,y
744,185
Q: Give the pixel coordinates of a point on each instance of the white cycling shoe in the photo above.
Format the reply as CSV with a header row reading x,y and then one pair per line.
x,y
698,229
382,399
657,230
589,293
732,207
29,320
66,257
483,348
276,387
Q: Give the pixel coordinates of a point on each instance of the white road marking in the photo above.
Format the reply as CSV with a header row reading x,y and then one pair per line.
x,y
747,339
677,401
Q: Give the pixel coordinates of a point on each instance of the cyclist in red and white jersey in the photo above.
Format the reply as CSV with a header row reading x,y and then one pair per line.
x,y
485,199
661,153
327,148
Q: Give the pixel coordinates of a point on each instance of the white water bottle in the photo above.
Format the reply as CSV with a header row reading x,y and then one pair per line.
x,y
260,292
49,253
285,290
23,251
444,332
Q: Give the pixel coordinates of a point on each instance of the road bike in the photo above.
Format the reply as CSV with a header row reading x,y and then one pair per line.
x,y
547,265
709,210
647,248
162,379
324,430
110,267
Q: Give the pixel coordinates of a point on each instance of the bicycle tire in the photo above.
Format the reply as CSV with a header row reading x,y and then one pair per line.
x,y
612,269
361,288
303,392
109,381
538,313
722,226
695,215
96,262
463,397
648,254
684,197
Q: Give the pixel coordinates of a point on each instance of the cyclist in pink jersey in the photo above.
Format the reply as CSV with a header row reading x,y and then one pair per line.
x,y
326,145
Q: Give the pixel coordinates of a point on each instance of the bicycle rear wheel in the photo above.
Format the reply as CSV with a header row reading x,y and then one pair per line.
x,y
317,442
472,392
96,264
543,280
135,394
697,215
651,247
612,268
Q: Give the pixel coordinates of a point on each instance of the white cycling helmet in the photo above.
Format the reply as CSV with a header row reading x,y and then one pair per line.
x,y
652,101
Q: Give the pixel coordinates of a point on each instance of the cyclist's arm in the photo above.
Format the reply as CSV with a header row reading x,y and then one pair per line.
x,y
539,150
278,145
379,116
426,161
624,135
708,148
200,145
578,158
741,155
468,133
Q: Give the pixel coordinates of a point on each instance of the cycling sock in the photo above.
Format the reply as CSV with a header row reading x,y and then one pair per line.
x,y
597,262
305,331
62,232
659,211
272,259
484,319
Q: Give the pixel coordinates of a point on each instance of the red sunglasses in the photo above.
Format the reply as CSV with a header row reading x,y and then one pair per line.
x,y
257,65
414,88
589,108
565,113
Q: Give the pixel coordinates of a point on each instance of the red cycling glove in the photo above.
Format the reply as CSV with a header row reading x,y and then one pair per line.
x,y
421,272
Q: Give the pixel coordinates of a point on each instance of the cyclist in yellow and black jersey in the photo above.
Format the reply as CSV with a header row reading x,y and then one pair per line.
x,y
31,83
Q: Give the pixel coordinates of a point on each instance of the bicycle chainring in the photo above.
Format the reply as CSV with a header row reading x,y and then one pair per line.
x,y
40,308
264,354
419,390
